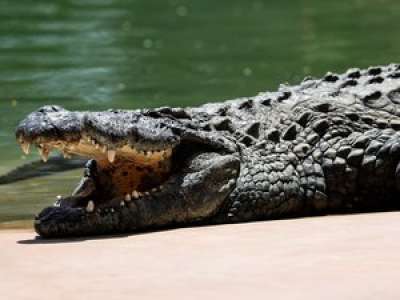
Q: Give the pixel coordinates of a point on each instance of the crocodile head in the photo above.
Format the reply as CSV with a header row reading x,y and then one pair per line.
x,y
145,168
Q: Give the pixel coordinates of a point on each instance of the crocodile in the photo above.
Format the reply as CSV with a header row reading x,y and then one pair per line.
x,y
328,145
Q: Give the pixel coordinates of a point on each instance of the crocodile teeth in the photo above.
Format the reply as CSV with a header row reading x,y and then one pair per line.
x,y
90,206
66,155
44,153
25,147
135,194
104,149
111,155
122,203
128,197
167,153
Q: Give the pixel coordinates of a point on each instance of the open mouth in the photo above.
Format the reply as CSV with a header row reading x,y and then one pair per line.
x,y
142,171
114,176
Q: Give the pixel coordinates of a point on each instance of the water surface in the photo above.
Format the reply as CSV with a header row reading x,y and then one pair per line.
x,y
100,54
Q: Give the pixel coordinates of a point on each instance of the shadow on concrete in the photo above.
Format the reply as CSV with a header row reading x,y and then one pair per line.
x,y
38,240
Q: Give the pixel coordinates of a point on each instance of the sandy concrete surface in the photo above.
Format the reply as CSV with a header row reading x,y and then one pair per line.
x,y
333,257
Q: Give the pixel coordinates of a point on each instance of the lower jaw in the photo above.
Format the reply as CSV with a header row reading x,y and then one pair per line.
x,y
107,221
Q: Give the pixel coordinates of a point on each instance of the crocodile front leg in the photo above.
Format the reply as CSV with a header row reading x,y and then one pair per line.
x,y
325,160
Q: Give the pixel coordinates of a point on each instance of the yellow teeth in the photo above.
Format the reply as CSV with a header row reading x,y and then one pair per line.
x,y
111,155
25,147
87,146
135,194
44,153
90,206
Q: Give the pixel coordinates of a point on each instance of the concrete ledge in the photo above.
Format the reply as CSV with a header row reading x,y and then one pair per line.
x,y
333,257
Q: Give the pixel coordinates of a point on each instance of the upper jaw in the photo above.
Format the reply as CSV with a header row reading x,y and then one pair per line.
x,y
110,131
74,132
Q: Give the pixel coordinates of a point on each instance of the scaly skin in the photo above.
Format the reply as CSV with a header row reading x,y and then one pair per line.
x,y
324,146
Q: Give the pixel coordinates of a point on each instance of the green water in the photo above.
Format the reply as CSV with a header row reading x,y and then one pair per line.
x,y
98,54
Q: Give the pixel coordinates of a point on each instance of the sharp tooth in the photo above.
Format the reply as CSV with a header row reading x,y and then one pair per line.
x,y
128,197
135,194
161,187
97,146
25,147
154,190
104,149
44,153
66,155
146,193
122,203
90,206
166,153
59,197
111,155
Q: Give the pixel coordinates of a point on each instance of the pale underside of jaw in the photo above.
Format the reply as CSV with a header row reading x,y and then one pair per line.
x,y
109,157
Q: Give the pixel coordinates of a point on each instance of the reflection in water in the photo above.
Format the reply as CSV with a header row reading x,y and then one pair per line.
x,y
97,54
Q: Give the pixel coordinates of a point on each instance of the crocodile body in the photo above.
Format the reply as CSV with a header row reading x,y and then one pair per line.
x,y
326,145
